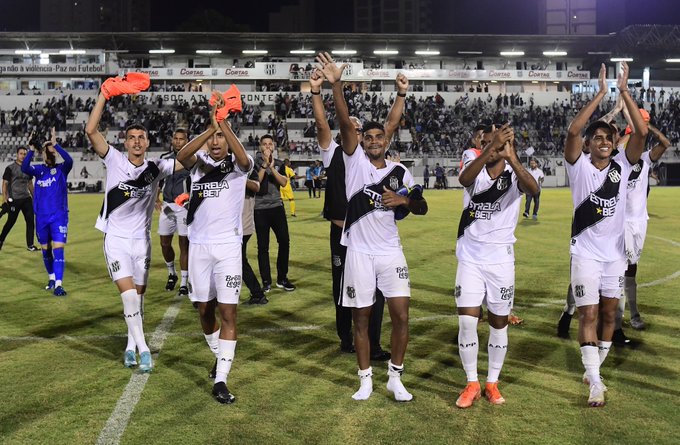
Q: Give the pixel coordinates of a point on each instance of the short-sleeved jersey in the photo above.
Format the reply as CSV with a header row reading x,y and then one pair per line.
x,y
51,191
131,193
290,174
17,182
218,189
638,189
335,198
269,196
369,226
537,174
597,230
486,231
469,155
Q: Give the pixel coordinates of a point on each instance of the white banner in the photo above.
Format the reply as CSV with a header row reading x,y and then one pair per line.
x,y
51,69
484,75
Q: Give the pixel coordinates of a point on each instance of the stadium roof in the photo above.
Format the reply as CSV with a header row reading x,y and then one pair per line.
x,y
649,45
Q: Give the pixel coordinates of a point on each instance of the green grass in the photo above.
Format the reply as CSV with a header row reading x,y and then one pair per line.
x,y
61,372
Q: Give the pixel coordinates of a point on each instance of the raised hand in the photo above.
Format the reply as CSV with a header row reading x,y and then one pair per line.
x,y
507,151
622,77
501,136
602,79
316,80
402,83
53,136
330,70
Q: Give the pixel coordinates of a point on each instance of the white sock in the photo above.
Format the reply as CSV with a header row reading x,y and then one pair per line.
x,y
213,342
171,268
591,361
394,384
498,347
185,278
603,350
225,356
133,318
52,276
57,283
131,345
366,388
468,345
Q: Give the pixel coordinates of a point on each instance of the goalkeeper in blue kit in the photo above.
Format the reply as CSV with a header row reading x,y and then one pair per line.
x,y
51,207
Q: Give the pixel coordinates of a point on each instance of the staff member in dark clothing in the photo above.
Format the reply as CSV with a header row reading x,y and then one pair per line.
x,y
17,195
335,209
173,218
271,215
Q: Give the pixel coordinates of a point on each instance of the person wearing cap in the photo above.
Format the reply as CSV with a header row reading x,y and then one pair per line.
x,y
598,259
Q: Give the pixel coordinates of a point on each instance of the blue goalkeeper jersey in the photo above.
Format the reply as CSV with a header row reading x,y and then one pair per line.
x,y
51,192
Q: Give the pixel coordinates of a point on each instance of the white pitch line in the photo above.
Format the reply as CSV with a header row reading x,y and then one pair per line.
x,y
118,421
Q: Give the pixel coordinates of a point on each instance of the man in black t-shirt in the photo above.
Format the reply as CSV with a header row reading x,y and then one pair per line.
x,y
17,195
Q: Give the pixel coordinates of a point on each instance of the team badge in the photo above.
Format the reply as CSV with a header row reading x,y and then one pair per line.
x,y
579,291
351,293
225,167
637,167
614,176
148,177
270,69
115,266
457,291
53,171
337,261
394,183
147,263
502,183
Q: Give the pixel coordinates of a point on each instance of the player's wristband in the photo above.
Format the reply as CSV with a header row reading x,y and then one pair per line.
x,y
401,94
315,92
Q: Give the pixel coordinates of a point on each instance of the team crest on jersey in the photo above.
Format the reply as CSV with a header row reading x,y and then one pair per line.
x,y
394,182
226,167
351,293
502,183
148,177
53,171
579,291
614,176
637,168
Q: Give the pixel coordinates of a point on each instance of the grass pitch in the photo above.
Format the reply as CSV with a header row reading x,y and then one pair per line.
x,y
61,369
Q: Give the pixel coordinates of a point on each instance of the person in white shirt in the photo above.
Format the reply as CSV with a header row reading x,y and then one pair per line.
x,y
374,252
214,220
598,259
131,190
495,182
537,173
636,221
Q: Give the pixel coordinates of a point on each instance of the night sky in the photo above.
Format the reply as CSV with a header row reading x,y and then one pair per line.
x,y
449,16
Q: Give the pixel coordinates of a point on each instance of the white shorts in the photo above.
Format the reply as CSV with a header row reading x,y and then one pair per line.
x,y
635,234
173,220
592,278
495,282
215,272
364,272
127,257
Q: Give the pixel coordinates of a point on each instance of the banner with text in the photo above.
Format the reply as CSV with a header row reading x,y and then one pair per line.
x,y
51,69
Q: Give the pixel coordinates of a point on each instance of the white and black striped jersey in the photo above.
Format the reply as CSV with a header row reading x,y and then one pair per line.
x,y
215,209
638,189
130,194
597,229
369,227
486,232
